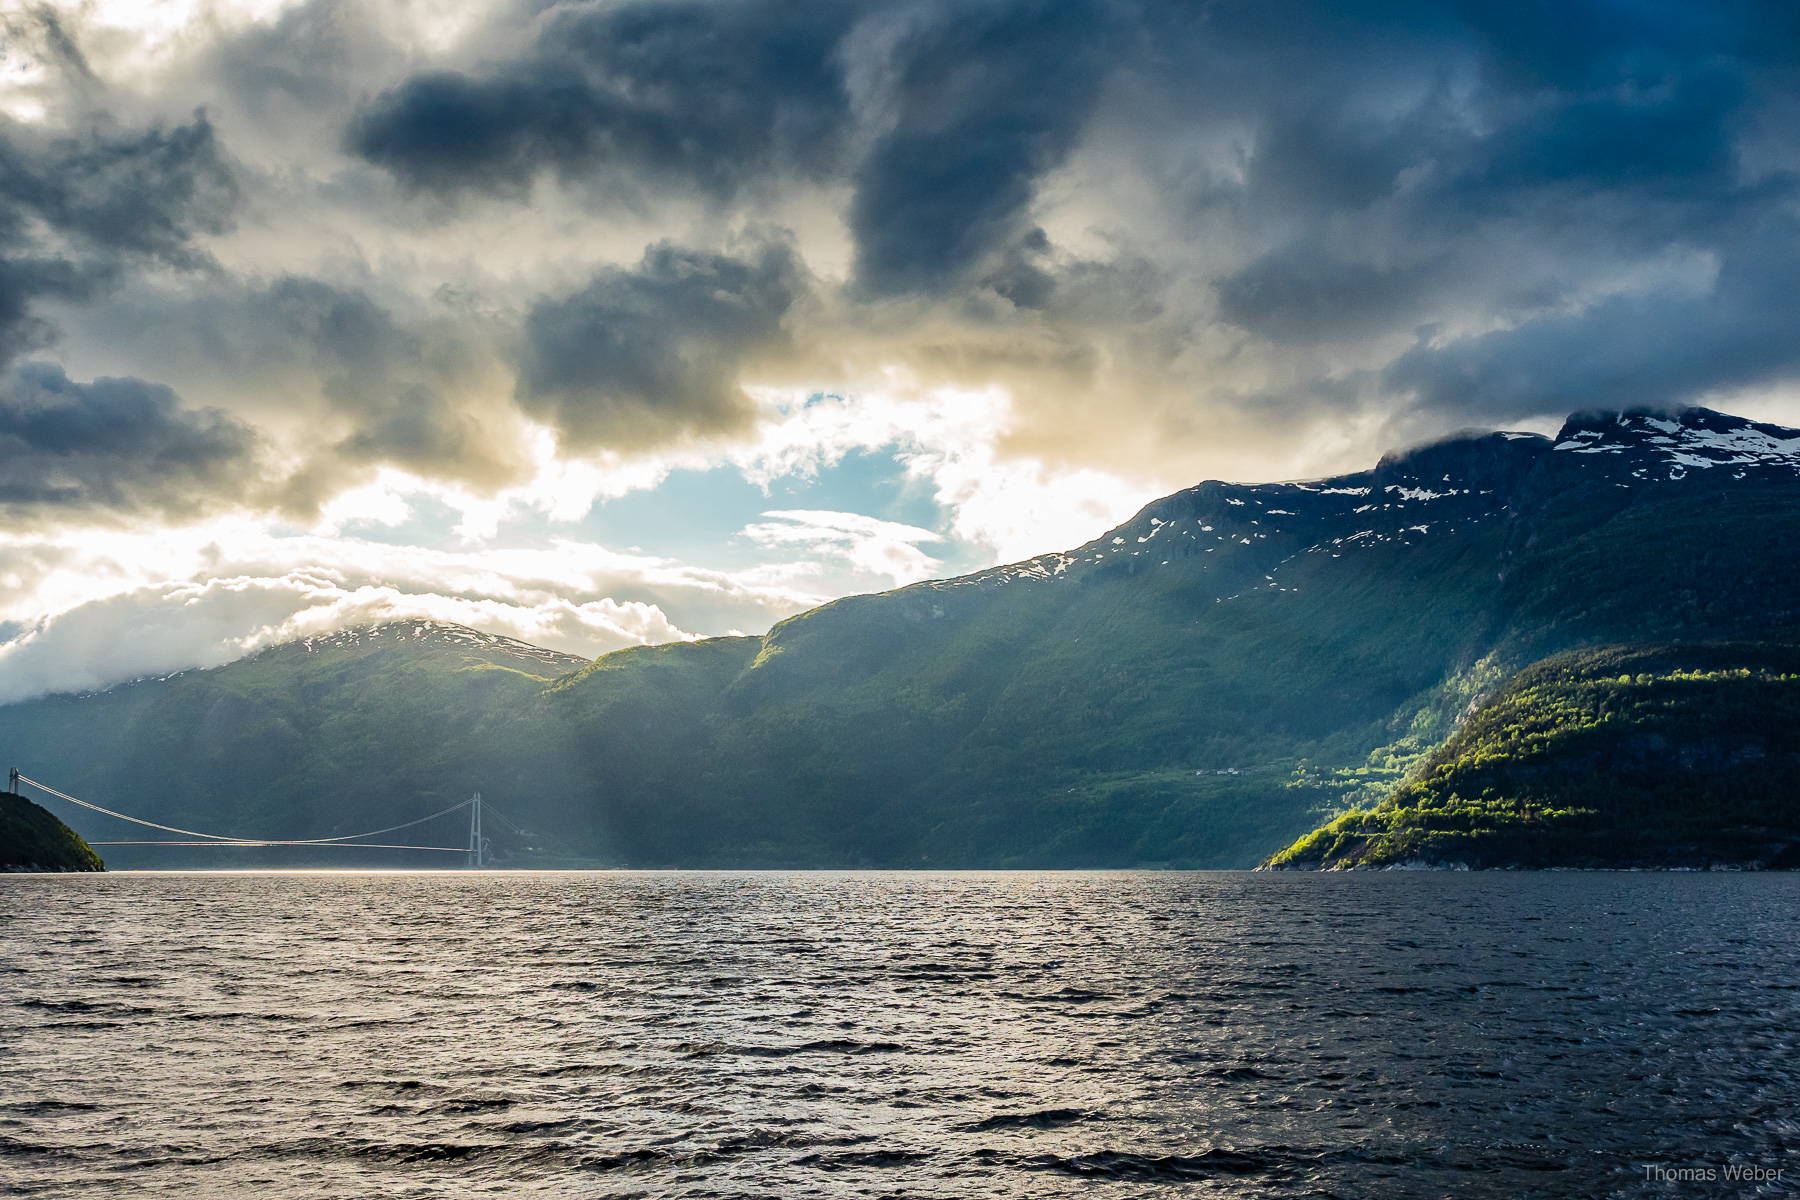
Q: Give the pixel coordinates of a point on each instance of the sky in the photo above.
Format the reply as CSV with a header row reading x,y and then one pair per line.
x,y
600,324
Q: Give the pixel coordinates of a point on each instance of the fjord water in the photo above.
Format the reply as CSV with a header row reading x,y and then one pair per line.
x,y
725,1034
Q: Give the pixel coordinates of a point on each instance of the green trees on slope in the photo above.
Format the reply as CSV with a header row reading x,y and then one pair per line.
x,y
1620,756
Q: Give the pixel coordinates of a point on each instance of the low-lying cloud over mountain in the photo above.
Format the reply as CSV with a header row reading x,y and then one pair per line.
x,y
647,273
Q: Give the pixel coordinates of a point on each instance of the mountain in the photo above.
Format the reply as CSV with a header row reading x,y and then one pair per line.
x,y
1198,687
32,839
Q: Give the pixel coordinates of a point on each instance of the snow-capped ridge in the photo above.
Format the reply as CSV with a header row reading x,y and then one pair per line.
x,y
1667,444
423,631
1451,487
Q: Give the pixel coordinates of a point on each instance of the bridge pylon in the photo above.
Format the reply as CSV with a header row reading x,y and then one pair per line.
x,y
476,845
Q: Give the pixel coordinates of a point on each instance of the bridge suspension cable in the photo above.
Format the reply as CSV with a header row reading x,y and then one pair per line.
x,y
326,845
347,841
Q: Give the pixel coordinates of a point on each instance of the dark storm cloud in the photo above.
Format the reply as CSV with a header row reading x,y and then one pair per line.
x,y
974,102
82,208
1641,151
1305,292
394,382
652,353
386,376
1479,209
1656,350
78,210
706,95
1542,153
120,445
984,100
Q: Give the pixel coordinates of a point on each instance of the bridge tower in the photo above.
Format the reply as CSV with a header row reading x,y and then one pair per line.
x,y
475,844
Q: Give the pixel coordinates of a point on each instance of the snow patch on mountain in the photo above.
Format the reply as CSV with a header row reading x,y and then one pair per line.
x,y
442,633
1695,438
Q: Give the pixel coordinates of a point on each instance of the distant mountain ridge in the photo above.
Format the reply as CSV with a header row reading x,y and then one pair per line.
x,y
492,647
1075,709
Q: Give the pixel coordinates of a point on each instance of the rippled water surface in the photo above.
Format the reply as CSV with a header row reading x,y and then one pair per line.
x,y
622,1034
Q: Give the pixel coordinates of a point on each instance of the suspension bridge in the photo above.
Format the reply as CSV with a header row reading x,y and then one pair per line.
x,y
477,850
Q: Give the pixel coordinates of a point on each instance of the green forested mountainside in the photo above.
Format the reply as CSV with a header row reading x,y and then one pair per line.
x,y
32,839
1623,756
1198,687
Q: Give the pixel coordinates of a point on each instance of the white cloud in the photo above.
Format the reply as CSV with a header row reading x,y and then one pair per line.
x,y
159,630
562,489
52,571
955,440
96,607
870,545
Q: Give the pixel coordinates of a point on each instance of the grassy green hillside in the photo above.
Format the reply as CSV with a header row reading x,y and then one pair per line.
x,y
1651,757
32,839
1059,723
